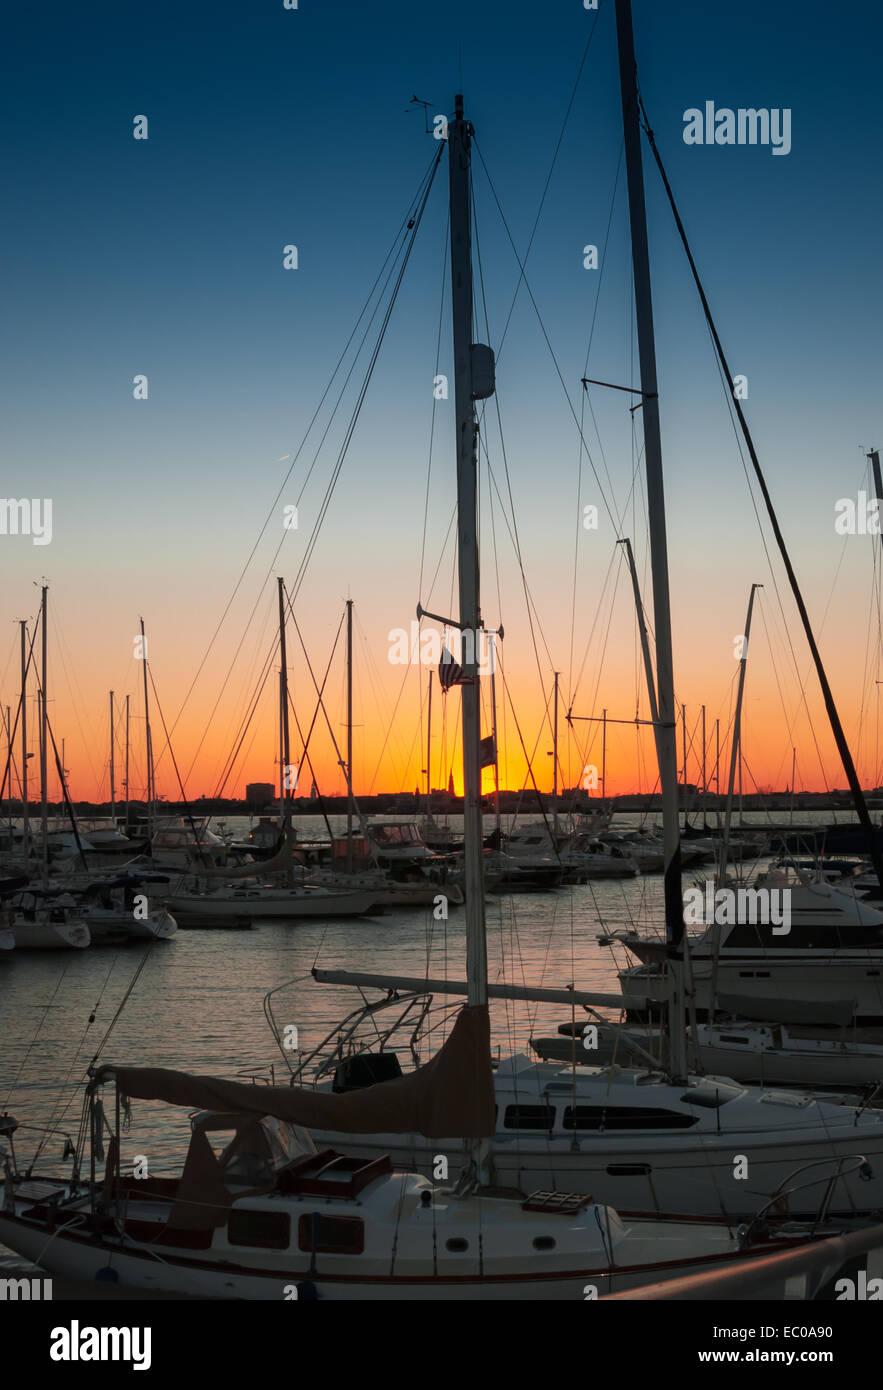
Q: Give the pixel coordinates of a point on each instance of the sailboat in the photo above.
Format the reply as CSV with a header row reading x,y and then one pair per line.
x,y
664,1137
272,1217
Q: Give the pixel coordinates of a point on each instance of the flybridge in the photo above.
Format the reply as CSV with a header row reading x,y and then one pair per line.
x,y
745,126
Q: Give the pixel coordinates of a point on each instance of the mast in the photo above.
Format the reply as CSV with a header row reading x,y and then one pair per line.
x,y
44,796
645,641
349,735
603,759
717,769
492,638
127,764
704,779
555,763
684,745
465,394
112,786
25,825
736,750
283,697
148,742
793,775
666,743
429,754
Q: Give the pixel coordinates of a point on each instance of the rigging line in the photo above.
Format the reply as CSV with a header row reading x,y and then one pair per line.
x,y
314,536
441,557
529,761
189,811
305,757
616,554
801,681
229,765
227,678
321,702
403,227
441,311
306,742
548,180
123,1002
586,401
248,713
617,526
32,1044
56,1118
377,691
483,445
275,556
572,693
247,716
833,716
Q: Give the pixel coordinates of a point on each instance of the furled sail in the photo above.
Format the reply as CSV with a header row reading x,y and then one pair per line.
x,y
452,1096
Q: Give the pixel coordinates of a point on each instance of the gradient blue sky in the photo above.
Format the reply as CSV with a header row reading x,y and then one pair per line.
x,y
270,126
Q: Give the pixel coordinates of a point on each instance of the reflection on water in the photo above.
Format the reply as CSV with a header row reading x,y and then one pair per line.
x,y
197,1004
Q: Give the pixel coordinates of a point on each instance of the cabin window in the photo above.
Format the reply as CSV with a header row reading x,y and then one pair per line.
x,y
457,1245
268,1229
529,1117
331,1235
625,1117
728,1038
544,1243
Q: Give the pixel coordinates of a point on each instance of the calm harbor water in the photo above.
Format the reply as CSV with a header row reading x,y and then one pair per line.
x,y
197,1002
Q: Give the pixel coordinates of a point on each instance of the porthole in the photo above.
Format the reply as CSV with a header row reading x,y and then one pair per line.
x,y
456,1245
544,1243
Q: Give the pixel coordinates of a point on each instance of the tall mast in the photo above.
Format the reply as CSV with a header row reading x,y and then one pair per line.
x,y
666,743
684,744
704,779
429,753
112,786
283,696
555,762
127,764
645,641
349,735
603,759
148,742
492,638
25,820
44,738
466,391
736,750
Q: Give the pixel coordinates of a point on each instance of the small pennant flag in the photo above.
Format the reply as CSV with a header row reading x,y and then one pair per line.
x,y
487,753
450,673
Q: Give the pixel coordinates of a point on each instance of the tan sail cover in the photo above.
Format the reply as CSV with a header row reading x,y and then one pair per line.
x,y
452,1096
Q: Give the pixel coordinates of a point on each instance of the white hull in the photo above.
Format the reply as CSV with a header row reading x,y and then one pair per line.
x,y
50,936
248,905
855,978
650,1252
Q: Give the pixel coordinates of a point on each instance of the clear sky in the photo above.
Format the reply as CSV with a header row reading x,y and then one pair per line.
x,y
163,257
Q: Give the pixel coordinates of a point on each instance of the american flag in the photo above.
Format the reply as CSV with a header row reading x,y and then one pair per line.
x,y
449,673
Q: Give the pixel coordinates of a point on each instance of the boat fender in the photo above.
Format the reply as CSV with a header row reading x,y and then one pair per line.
x,y
106,1275
307,1291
